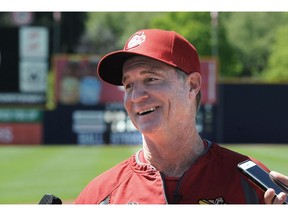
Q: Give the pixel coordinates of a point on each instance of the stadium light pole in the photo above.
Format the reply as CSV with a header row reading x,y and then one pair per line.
x,y
214,53
56,32
214,33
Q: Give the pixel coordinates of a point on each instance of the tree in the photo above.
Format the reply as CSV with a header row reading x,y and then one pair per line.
x,y
277,69
243,45
108,31
72,28
251,34
194,26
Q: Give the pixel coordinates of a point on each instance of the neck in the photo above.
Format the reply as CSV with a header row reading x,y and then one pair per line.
x,y
173,157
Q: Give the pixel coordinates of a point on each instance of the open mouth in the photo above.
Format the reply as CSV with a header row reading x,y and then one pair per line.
x,y
147,111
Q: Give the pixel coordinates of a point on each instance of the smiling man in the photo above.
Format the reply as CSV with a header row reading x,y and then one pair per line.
x,y
161,74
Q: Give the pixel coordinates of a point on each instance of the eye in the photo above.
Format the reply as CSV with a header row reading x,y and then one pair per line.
x,y
127,86
151,79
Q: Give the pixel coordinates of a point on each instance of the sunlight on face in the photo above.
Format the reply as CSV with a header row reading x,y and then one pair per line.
x,y
155,97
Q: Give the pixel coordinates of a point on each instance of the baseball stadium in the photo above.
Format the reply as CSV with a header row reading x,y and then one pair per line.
x,y
61,126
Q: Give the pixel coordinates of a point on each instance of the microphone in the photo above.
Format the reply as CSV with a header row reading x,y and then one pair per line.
x,y
177,197
50,199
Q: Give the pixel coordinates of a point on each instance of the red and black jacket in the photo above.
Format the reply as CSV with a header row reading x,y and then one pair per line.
x,y
212,179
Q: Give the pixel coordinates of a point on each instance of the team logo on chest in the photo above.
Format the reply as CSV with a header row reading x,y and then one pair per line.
x,y
219,200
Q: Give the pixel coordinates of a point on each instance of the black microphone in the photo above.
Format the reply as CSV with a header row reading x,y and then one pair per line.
x,y
177,197
50,199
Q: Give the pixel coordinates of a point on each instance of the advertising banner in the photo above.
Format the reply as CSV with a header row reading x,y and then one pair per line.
x,y
21,133
21,126
24,65
20,115
209,73
106,124
77,82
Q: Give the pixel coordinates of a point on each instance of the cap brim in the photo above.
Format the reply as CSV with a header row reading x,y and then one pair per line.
x,y
110,67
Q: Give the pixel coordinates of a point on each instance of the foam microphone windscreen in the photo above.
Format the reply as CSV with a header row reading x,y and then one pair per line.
x,y
50,199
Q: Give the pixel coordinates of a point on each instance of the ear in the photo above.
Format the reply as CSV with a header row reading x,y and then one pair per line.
x,y
195,82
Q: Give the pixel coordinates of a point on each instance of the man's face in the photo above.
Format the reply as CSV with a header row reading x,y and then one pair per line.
x,y
156,99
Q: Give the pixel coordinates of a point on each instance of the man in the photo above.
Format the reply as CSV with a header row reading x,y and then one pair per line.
x,y
161,74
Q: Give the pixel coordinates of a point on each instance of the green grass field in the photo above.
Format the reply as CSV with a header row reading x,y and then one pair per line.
x,y
29,172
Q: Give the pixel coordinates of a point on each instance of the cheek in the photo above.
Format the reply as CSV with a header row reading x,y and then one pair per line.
x,y
126,103
182,95
128,106
181,103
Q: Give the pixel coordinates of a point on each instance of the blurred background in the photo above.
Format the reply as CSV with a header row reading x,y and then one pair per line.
x,y
52,102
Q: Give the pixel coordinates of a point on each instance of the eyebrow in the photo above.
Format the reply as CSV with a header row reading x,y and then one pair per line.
x,y
143,73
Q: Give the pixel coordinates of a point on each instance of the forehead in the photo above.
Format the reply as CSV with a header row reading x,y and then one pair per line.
x,y
141,61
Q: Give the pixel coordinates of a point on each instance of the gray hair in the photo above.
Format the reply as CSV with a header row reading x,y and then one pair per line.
x,y
182,76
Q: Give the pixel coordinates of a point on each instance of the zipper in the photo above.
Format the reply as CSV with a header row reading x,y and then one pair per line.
x,y
176,196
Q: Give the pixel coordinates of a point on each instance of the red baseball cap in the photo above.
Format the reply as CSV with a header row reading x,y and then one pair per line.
x,y
166,46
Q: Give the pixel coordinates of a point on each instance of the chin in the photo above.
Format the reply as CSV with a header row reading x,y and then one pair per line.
x,y
149,129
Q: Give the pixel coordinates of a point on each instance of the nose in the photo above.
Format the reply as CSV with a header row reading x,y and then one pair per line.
x,y
139,93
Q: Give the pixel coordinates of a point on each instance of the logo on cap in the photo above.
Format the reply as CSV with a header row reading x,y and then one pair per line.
x,y
136,40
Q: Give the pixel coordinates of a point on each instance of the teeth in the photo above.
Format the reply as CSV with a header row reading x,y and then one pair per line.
x,y
148,110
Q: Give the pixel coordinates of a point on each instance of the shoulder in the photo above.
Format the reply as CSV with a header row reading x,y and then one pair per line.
x,y
222,152
233,155
229,158
101,186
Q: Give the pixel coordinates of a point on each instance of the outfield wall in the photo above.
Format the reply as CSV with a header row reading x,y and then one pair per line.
x,y
252,113
244,113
